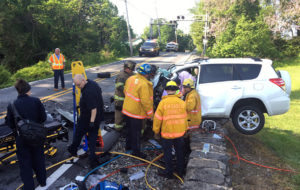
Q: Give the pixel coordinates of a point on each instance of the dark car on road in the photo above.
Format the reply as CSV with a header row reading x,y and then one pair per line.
x,y
149,48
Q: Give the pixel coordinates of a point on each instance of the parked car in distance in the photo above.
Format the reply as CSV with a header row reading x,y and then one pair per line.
x,y
172,46
149,48
242,89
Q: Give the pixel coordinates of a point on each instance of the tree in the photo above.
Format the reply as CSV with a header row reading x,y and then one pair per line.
x,y
30,29
251,39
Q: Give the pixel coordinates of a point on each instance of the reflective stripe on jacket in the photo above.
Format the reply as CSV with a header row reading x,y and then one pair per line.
x,y
119,88
170,118
138,101
193,108
57,64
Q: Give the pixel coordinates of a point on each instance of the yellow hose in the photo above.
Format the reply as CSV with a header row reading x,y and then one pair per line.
x,y
119,153
129,155
158,157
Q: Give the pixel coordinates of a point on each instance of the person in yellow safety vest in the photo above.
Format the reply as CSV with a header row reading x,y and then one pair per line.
x,y
57,63
138,105
193,104
170,120
129,67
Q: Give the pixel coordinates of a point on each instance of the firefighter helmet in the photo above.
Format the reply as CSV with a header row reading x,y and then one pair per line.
x,y
153,70
188,83
144,69
130,65
171,85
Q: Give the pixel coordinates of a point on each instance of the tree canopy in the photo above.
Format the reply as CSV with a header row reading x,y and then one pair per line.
x,y
30,29
239,28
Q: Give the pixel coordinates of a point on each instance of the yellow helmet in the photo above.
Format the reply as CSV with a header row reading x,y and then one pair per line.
x,y
171,85
188,83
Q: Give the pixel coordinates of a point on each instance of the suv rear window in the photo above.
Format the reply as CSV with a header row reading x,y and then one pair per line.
x,y
248,71
216,73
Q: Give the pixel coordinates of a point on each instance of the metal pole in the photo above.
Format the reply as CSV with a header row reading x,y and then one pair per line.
x,y
176,33
205,34
151,32
128,29
158,21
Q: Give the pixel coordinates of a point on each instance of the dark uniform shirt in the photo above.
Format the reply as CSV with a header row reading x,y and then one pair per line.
x,y
29,108
91,98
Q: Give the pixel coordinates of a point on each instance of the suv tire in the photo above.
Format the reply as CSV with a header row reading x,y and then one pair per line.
x,y
248,120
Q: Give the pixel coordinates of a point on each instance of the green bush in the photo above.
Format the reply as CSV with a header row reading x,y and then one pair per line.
x,y
36,72
292,47
4,76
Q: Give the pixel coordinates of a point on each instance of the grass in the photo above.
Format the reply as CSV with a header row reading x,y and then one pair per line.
x,y
282,133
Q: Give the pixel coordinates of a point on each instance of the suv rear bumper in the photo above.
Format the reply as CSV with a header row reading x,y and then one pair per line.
x,y
279,105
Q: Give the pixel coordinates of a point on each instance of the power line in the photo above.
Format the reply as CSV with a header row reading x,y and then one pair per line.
x,y
133,6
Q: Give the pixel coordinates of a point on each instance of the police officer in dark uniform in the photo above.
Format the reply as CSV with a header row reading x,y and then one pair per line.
x,y
29,157
91,115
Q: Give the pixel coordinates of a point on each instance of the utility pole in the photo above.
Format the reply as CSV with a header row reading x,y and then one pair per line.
x,y
205,34
158,21
151,31
128,29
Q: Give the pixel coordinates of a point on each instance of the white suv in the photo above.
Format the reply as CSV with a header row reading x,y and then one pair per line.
x,y
242,89
172,46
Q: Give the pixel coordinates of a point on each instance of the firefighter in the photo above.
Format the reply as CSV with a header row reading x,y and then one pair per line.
x,y
193,104
170,120
138,105
57,63
129,67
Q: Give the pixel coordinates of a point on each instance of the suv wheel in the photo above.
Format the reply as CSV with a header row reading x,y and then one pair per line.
x,y
248,119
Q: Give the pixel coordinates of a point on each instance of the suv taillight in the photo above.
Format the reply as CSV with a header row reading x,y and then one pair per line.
x,y
279,82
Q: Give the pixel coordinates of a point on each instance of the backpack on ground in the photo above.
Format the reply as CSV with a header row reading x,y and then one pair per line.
x,y
32,133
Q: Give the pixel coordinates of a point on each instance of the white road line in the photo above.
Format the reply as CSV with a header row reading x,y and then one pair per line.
x,y
59,172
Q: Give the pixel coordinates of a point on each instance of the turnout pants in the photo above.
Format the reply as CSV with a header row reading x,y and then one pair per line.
x,y
59,74
31,159
81,129
134,127
178,144
119,119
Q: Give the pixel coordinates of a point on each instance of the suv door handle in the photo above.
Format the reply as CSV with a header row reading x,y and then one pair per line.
x,y
236,87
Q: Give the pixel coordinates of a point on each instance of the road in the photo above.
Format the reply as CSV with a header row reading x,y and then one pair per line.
x,y
43,89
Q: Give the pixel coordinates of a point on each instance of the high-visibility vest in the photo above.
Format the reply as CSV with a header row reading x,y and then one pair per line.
x,y
57,63
170,118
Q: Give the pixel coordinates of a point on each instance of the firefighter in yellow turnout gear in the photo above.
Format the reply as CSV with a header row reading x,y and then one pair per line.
x,y
193,104
170,120
129,67
138,105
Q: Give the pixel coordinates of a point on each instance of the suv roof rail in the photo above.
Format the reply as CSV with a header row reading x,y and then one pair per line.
x,y
255,58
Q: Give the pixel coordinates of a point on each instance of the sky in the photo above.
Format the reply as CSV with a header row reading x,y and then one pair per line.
x,y
140,12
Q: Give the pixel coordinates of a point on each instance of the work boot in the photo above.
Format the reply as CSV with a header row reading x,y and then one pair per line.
x,y
63,88
72,151
139,154
55,89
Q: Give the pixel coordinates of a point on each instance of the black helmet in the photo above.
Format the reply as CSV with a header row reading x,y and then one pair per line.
x,y
130,65
153,70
